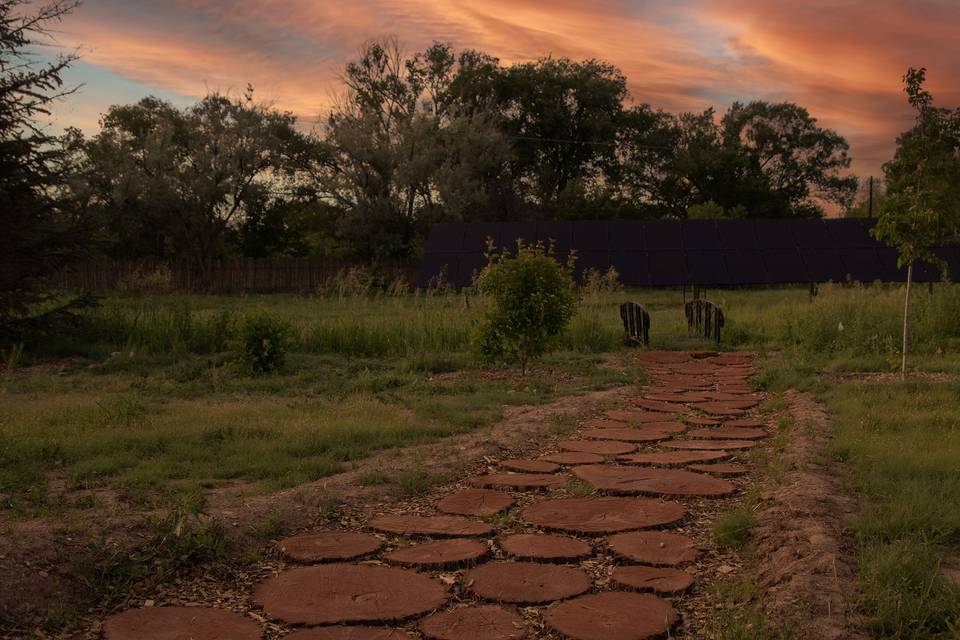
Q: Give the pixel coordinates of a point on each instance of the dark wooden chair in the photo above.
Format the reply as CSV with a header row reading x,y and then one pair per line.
x,y
636,323
705,318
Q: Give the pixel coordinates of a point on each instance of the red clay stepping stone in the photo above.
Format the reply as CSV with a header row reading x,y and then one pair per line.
x,y
570,458
745,422
729,469
439,555
519,481
174,623
539,546
708,445
453,526
600,448
476,622
626,434
348,633
634,416
673,458
335,593
660,548
720,409
604,514
525,582
652,481
327,546
530,466
663,580
653,405
612,615
696,421
729,433
475,502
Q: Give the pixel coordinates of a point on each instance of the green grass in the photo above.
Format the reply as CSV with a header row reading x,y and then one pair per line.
x,y
901,442
731,529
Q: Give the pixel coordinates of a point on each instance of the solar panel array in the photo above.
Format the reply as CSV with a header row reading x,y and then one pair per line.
x,y
694,252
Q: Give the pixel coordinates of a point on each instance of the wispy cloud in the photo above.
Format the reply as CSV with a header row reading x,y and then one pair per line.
x,y
840,58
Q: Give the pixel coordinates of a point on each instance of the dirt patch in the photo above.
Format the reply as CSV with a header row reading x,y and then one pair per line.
x,y
808,568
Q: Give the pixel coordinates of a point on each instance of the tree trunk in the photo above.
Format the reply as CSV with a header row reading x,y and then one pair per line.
x,y
906,322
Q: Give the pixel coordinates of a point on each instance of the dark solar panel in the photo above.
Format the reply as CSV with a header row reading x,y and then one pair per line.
x,y
863,265
849,234
469,265
591,235
952,257
700,234
435,264
445,237
706,267
889,271
667,268
511,231
632,267
737,234
784,266
597,260
824,265
559,232
626,235
746,267
662,234
810,234
773,234
477,233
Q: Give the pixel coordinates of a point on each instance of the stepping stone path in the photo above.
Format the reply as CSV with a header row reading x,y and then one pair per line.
x,y
531,556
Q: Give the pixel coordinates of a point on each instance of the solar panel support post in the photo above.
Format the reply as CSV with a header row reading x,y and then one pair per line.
x,y
814,290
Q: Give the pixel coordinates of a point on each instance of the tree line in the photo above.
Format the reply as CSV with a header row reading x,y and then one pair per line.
x,y
439,135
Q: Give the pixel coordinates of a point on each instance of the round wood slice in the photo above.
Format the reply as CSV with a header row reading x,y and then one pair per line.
x,y
525,582
662,580
709,445
165,623
612,615
348,633
539,546
745,422
627,434
674,458
519,481
474,622
440,554
336,593
653,405
328,546
729,433
453,526
631,480
571,458
595,515
635,416
475,502
530,466
659,548
730,469
597,447
696,421
720,409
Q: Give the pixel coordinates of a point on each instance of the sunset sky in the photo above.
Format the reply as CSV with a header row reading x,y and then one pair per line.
x,y
842,59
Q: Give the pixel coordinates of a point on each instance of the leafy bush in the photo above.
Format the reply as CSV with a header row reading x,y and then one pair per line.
x,y
531,298
262,343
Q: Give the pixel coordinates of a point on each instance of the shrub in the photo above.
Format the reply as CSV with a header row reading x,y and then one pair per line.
x,y
262,343
531,298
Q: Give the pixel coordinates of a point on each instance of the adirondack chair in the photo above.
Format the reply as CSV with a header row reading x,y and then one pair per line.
x,y
705,318
636,323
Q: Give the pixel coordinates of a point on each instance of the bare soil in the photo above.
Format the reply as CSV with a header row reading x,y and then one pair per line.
x,y
807,564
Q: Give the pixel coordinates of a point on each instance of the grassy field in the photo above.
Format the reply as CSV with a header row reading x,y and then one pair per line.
x,y
146,399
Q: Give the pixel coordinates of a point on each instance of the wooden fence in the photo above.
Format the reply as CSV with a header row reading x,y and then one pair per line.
x,y
234,275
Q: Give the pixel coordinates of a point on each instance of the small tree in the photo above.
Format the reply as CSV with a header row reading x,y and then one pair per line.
x,y
532,297
921,207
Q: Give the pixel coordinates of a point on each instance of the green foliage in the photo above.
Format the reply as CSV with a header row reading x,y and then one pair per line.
x,y
531,298
262,342
922,204
732,528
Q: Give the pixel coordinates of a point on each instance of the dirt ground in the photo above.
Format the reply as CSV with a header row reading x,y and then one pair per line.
x,y
807,565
